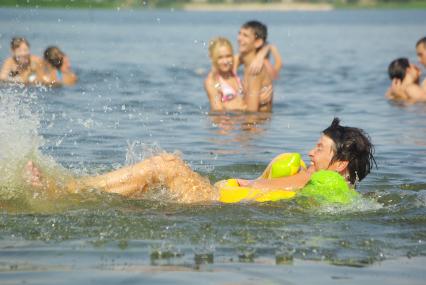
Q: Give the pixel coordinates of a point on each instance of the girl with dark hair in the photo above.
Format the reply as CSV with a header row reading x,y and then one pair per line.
x,y
406,77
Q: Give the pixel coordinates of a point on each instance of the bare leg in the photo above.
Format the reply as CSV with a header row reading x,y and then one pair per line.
x,y
163,170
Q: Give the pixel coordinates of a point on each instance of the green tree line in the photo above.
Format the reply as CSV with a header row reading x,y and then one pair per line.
x,y
180,3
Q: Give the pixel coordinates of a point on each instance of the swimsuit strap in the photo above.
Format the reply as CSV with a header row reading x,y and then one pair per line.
x,y
59,75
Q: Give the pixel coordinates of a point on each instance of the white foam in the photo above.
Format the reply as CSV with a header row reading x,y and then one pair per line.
x,y
19,139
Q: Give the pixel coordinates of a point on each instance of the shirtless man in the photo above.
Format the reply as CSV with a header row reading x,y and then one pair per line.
x,y
345,150
421,56
251,38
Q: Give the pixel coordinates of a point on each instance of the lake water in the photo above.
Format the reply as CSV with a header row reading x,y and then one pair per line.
x,y
141,89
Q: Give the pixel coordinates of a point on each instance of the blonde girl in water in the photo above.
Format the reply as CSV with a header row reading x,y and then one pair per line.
x,y
223,86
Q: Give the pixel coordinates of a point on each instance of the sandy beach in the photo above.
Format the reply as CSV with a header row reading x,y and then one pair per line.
x,y
258,7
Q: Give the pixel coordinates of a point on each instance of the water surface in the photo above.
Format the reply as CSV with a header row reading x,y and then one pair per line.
x,y
141,89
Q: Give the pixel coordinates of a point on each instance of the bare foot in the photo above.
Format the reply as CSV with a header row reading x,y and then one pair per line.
x,y
32,175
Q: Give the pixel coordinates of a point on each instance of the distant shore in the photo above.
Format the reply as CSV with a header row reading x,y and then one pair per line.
x,y
258,7
213,7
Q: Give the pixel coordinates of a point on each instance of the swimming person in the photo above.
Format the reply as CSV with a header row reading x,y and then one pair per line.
x,y
223,87
345,151
251,38
409,75
57,68
22,66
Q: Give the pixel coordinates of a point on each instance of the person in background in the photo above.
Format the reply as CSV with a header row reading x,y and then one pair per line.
x,y
22,66
263,59
397,90
223,87
57,68
408,75
421,56
251,38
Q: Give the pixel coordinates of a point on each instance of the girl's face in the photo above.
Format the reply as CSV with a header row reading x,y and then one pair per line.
x,y
22,54
223,58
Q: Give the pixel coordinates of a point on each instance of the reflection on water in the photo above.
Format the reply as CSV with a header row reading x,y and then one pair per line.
x,y
236,129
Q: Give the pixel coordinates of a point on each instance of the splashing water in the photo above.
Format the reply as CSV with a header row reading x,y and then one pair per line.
x,y
138,151
19,140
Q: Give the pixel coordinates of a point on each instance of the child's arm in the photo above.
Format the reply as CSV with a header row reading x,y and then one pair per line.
x,y
278,63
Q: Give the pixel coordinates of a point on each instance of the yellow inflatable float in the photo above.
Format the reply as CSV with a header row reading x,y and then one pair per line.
x,y
283,165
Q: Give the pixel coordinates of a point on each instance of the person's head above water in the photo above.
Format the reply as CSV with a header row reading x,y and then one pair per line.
x,y
253,34
20,49
421,50
54,56
346,150
221,54
397,68
401,67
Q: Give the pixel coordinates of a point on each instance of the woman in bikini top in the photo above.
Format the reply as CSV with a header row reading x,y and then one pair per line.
x,y
227,91
223,87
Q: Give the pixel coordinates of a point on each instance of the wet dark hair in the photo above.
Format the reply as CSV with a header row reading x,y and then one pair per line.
x,y
259,29
54,56
421,41
352,145
397,68
17,41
